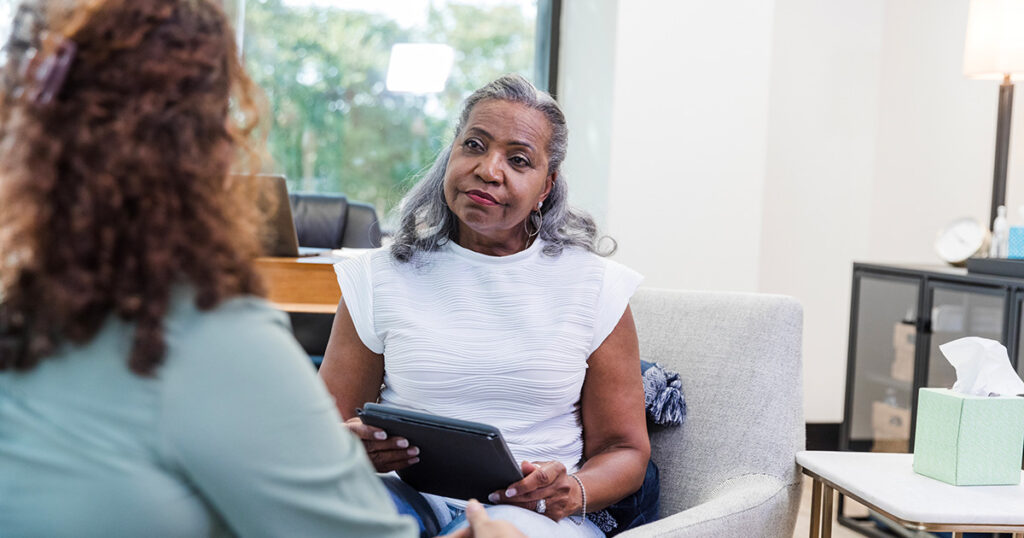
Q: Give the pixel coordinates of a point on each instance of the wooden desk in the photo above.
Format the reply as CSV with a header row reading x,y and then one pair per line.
x,y
301,284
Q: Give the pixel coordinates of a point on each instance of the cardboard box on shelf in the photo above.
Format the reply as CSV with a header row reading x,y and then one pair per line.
x,y
903,365
903,338
894,446
903,335
891,427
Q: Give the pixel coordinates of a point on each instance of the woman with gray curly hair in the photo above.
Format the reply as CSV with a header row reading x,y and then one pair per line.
x,y
496,304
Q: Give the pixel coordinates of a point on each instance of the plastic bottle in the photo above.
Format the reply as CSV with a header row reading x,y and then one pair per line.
x,y
1000,235
890,397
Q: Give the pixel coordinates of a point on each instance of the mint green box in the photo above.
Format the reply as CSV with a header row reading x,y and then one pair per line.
x,y
969,440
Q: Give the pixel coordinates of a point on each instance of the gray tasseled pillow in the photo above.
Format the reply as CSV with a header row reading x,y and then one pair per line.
x,y
663,395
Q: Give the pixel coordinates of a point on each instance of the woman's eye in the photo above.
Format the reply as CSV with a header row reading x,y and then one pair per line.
x,y
473,144
519,160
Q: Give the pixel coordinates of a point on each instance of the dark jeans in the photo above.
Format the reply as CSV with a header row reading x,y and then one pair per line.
x,y
409,502
640,507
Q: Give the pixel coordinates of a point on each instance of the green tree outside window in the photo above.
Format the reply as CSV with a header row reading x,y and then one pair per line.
x,y
334,125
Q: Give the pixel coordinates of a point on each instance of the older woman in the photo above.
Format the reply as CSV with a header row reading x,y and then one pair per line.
x,y
495,304
145,389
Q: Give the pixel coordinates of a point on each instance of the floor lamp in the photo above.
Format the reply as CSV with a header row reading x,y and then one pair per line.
x,y
994,50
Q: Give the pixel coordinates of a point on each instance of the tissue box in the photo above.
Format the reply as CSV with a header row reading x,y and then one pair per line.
x,y
1015,243
969,440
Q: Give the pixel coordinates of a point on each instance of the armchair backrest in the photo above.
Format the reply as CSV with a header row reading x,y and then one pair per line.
x,y
738,356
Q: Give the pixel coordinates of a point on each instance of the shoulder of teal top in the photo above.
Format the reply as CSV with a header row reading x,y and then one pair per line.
x,y
245,418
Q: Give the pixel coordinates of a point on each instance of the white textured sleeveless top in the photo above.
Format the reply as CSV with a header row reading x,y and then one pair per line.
x,y
499,340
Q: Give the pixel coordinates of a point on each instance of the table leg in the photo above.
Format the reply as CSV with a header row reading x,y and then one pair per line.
x,y
816,509
958,534
826,512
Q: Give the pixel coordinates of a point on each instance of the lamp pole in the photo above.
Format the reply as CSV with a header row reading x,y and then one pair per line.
x,y
1002,146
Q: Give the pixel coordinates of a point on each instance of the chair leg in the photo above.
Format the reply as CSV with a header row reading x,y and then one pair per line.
x,y
816,509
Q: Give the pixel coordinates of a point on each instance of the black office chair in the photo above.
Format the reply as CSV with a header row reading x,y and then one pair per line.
x,y
328,221
331,221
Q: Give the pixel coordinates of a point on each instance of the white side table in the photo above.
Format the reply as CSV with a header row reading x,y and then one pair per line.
x,y
887,484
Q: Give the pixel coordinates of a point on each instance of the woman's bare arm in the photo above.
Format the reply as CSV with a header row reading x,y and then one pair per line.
x,y
352,372
615,444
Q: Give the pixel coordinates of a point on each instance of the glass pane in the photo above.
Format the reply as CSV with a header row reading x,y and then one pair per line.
x,y
956,314
883,364
324,64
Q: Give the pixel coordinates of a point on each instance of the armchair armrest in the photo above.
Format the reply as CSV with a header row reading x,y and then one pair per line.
x,y
747,505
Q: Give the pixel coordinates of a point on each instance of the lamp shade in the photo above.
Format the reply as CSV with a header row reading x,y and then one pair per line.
x,y
995,39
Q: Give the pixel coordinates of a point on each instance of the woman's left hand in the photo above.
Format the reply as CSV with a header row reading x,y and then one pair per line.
x,y
546,480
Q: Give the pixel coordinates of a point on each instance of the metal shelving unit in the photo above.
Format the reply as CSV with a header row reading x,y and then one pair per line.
x,y
899,316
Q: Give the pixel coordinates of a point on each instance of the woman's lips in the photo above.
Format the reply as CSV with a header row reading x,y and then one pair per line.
x,y
481,197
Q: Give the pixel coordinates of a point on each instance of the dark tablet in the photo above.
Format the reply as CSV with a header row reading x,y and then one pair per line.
x,y
458,458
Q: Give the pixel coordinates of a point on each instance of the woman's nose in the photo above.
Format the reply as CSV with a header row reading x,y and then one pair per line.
x,y
490,168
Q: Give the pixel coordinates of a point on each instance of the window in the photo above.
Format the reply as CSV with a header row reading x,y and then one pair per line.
x,y
7,10
342,119
335,126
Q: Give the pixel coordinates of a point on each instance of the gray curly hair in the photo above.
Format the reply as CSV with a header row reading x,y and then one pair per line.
x,y
425,221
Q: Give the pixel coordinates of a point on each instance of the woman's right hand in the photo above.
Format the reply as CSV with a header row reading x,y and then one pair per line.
x,y
387,453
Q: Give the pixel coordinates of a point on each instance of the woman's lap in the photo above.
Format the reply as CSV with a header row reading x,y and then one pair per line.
x,y
533,524
433,512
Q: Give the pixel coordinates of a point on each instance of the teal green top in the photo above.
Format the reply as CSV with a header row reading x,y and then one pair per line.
x,y
234,435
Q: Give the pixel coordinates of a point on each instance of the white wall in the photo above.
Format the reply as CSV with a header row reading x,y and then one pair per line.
x,y
688,140
818,189
766,145
936,133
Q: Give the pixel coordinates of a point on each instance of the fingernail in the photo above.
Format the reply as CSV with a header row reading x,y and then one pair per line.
x,y
402,443
510,492
380,435
494,498
413,451
414,460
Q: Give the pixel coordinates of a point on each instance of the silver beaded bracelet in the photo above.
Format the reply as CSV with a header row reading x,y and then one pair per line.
x,y
583,491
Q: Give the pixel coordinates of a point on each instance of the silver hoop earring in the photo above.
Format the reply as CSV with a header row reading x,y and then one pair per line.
x,y
534,215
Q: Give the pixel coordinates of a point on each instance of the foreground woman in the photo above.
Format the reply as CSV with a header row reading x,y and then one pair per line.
x,y
495,305
144,389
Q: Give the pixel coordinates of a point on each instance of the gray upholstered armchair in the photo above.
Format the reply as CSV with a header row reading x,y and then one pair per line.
x,y
730,470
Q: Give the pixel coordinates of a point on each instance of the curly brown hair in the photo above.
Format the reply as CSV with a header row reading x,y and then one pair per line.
x,y
119,190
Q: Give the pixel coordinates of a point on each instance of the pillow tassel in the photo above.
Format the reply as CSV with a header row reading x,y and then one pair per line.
x,y
663,396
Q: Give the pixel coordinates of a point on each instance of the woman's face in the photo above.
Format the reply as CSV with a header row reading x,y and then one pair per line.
x,y
497,173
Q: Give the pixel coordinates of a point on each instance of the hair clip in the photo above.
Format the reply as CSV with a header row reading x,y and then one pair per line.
x,y
46,70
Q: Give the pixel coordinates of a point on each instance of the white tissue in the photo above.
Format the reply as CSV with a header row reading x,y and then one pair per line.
x,y
982,367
